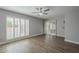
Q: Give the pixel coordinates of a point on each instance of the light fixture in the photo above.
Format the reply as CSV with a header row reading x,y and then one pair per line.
x,y
41,11
40,14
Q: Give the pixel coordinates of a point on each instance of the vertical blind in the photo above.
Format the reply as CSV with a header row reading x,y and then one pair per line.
x,y
16,27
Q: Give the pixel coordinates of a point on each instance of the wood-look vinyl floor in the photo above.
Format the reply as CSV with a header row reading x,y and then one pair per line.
x,y
40,44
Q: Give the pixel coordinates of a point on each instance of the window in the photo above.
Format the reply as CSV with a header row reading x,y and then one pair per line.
x,y
9,28
16,27
22,27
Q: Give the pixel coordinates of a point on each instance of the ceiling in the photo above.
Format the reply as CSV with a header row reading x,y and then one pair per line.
x,y
27,10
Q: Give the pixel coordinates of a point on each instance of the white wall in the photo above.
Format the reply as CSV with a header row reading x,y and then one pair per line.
x,y
72,27
35,24
35,27
60,25
2,28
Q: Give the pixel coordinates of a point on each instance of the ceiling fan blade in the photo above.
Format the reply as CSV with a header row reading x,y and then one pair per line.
x,y
40,10
46,10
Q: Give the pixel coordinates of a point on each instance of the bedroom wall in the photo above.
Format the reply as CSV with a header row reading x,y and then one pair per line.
x,y
72,27
2,28
35,24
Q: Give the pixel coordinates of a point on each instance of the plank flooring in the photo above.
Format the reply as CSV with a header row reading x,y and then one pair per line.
x,y
40,44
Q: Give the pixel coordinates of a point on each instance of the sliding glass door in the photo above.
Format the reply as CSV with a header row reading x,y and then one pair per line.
x,y
16,27
50,27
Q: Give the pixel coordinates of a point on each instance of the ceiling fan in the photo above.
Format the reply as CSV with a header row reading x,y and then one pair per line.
x,y
41,11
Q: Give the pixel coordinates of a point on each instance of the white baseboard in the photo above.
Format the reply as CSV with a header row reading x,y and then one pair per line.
x,y
35,35
72,41
17,39
61,35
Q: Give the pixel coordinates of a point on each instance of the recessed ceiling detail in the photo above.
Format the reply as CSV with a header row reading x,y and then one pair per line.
x,y
41,11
